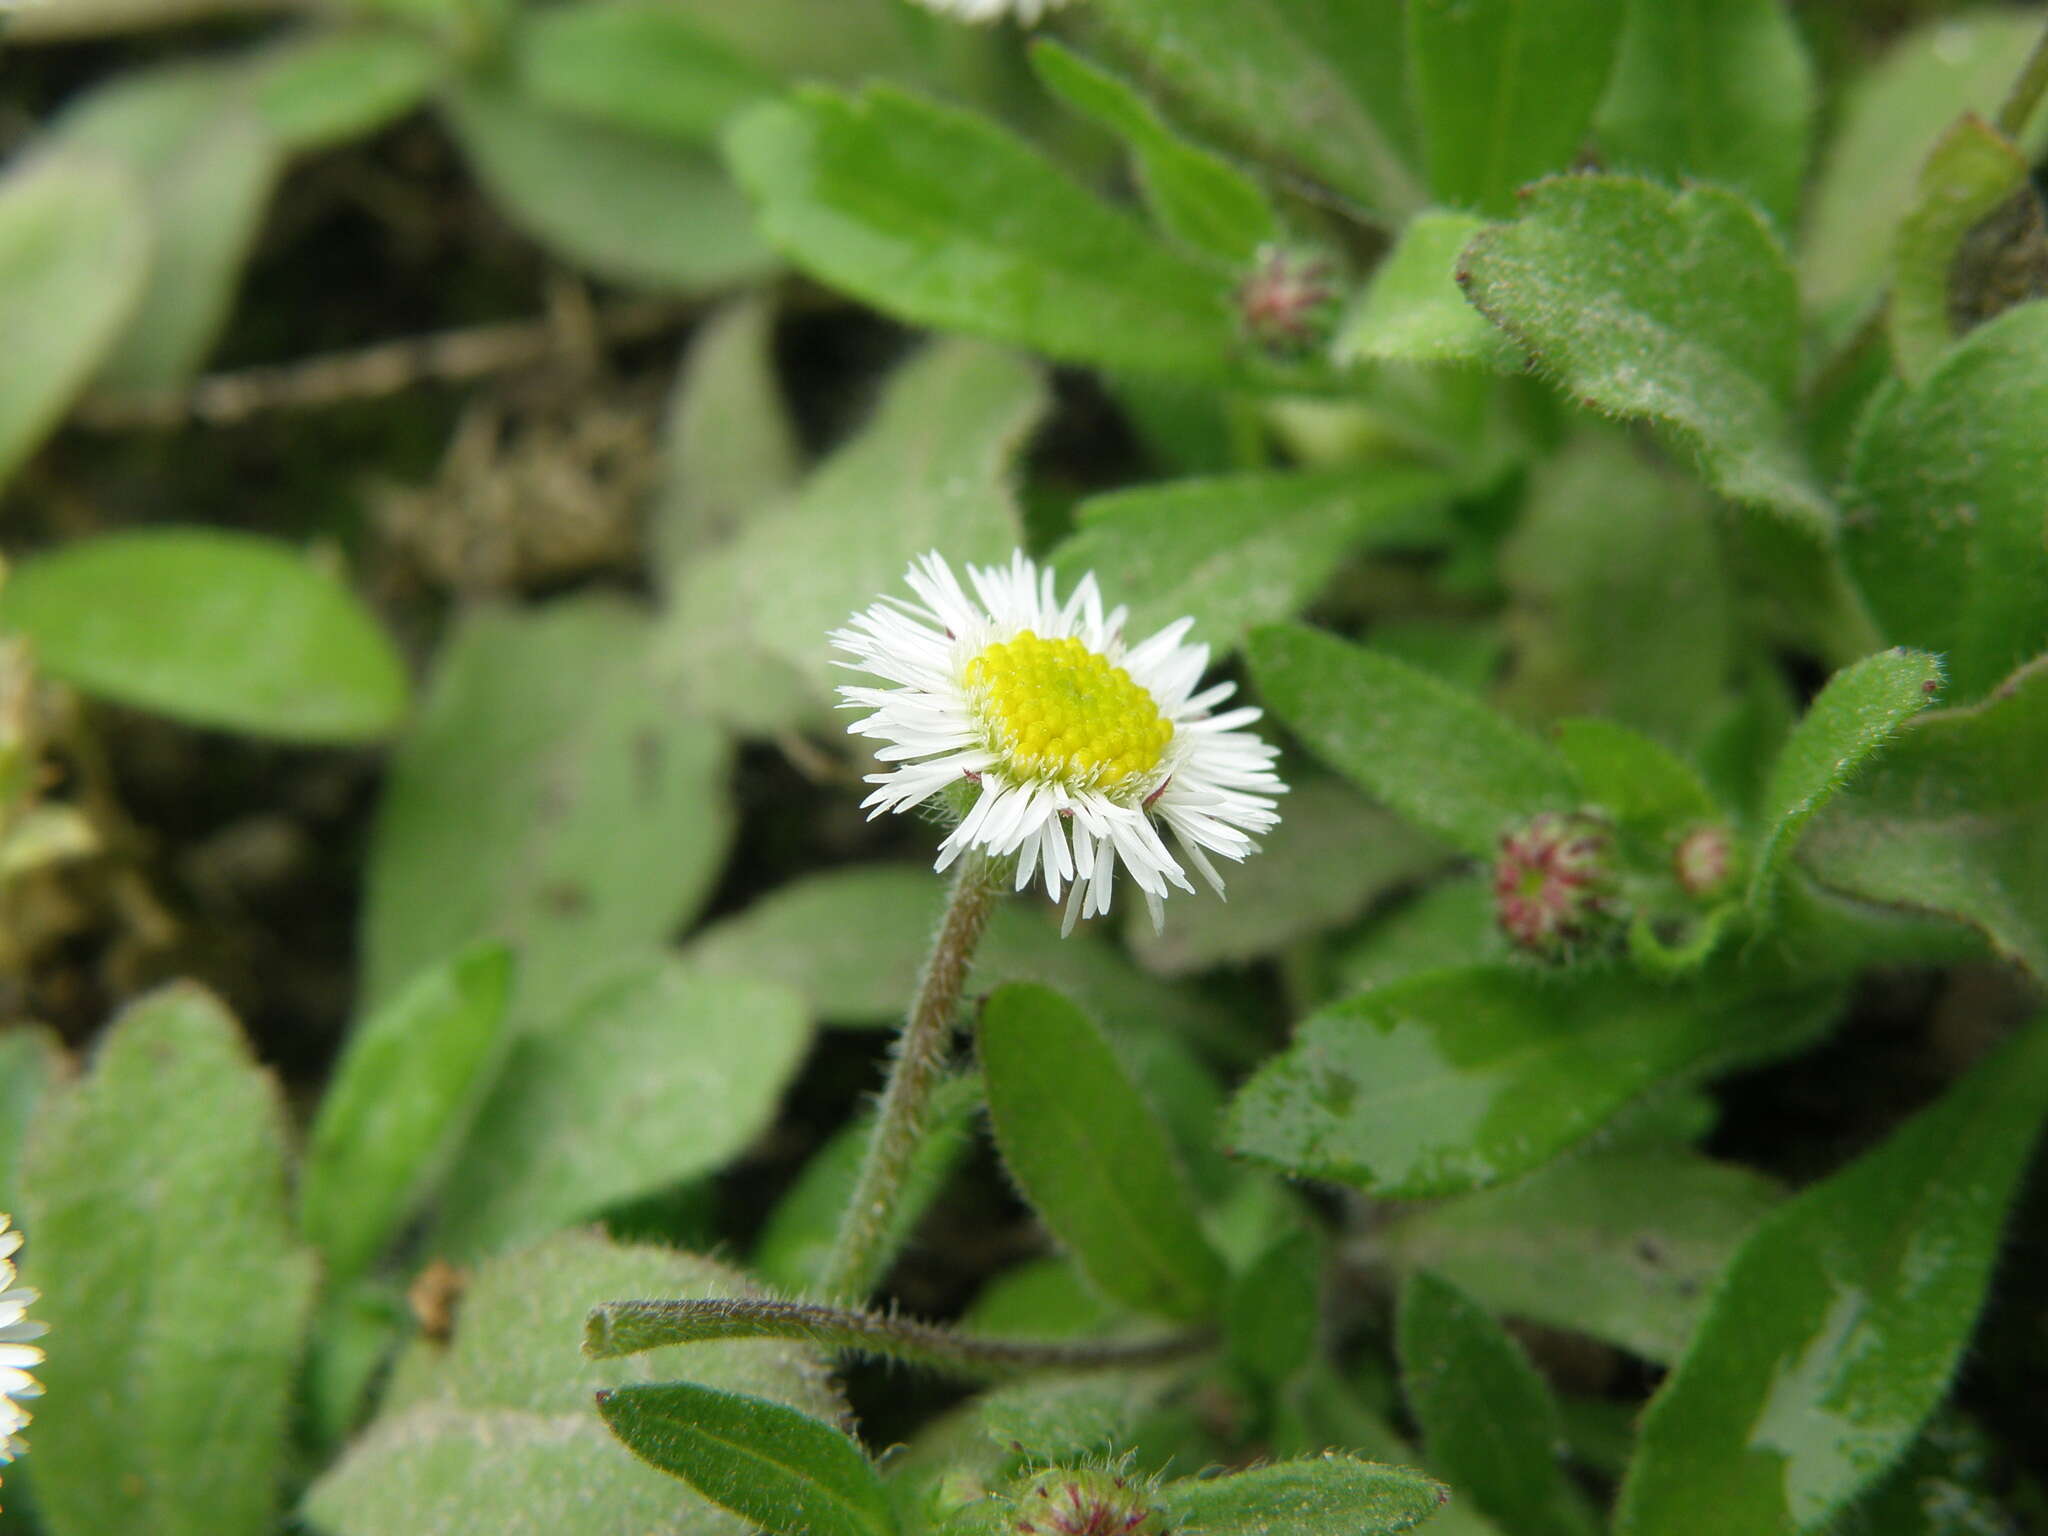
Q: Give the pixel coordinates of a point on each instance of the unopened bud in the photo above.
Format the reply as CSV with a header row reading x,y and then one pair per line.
x,y
1085,1501
1287,303
1554,885
1704,861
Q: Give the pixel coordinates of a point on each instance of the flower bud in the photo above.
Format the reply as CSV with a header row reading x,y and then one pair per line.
x,y
1287,302
1554,883
1704,862
1084,1501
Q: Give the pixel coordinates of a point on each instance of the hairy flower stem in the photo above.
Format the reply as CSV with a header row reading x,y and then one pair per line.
x,y
2017,110
860,1250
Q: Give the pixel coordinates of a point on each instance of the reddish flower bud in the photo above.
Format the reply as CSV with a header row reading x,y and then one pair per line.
x,y
1553,883
1287,303
1085,1501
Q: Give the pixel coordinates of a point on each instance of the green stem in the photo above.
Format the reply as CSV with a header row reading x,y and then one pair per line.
x,y
860,1249
2017,109
630,1327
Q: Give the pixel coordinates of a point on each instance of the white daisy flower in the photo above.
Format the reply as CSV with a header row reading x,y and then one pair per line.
x,y
1026,11
1081,746
16,1353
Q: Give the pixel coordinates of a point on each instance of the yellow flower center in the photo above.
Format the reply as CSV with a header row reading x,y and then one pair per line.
x,y
1058,710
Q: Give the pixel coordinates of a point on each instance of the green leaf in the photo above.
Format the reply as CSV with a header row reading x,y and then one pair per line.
x,y
1955,820
661,1074
1318,85
1459,1079
637,65
1621,1244
932,469
1451,924
1327,1495
1089,1155
1645,787
1199,198
796,1241
1331,855
74,251
1854,718
1237,550
1888,121
1272,1315
1714,90
729,447
1489,1424
1413,310
216,628
1972,171
1677,307
1839,1324
328,87
1944,536
32,1067
784,1471
155,1194
399,1104
1431,751
624,206
205,164
948,221
1505,90
1622,605
499,1431
1062,1417
549,794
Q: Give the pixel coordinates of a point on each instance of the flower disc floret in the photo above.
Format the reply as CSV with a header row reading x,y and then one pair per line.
x,y
1083,749
1056,710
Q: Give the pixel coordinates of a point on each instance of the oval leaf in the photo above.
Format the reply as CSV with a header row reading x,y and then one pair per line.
x,y
1329,1495
216,628
1838,1326
399,1104
1091,1157
786,1472
1427,748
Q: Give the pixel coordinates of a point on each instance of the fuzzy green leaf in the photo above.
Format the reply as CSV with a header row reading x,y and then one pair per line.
x,y
1413,310
1944,536
1199,198
1676,307
329,87
1302,81
1328,1495
1714,90
660,1074
1972,170
74,253
498,1431
1888,122
1505,90
1955,820
1238,550
1852,720
399,1104
1489,1424
624,206
729,447
549,794
1643,785
212,627
945,219
155,1193
1621,1244
635,65
783,1471
1091,1157
1839,1324
32,1065
1431,751
1459,1079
